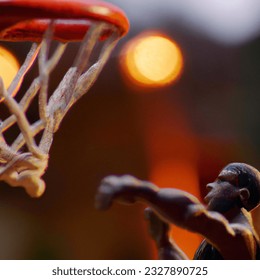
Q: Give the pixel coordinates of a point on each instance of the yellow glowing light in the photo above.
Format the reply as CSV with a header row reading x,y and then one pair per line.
x,y
9,66
152,60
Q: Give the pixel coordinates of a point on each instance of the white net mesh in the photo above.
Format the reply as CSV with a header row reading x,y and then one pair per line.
x,y
24,160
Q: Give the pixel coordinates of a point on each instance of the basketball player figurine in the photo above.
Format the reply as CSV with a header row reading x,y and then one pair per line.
x,y
225,222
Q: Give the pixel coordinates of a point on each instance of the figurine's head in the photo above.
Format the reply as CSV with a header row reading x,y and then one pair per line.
x,y
238,184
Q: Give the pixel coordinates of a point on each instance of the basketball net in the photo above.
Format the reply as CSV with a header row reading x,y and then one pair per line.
x,y
24,161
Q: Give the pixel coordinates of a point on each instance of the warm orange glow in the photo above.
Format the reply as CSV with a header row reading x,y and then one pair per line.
x,y
177,173
152,60
9,66
172,155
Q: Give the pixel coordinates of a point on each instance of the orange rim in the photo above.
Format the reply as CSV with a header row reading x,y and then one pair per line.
x,y
23,19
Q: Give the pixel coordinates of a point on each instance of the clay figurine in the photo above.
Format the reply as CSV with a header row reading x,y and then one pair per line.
x,y
225,222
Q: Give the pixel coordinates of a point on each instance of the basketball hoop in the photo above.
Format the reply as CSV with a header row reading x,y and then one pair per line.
x,y
95,25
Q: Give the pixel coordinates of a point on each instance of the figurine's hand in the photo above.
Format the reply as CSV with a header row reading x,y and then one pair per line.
x,y
158,228
119,188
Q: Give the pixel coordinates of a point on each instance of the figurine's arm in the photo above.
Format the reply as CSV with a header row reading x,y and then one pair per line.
x,y
159,231
181,209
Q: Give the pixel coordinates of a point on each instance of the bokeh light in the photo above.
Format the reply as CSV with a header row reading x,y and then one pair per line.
x,y
9,66
152,60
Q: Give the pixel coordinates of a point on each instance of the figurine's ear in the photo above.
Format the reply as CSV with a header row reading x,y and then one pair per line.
x,y
244,195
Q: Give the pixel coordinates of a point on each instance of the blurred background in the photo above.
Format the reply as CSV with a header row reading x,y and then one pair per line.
x,y
177,101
